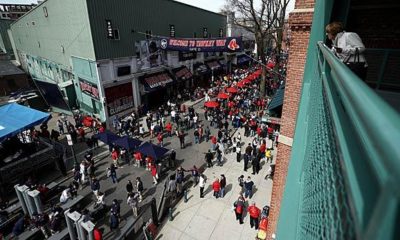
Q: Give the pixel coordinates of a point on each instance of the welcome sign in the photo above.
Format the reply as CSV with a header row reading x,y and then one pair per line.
x,y
229,44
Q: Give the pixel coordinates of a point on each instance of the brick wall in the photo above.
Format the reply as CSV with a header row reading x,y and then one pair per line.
x,y
300,25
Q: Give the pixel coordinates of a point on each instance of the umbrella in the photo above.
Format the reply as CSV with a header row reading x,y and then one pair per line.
x,y
240,84
231,90
222,95
211,104
107,137
127,143
152,150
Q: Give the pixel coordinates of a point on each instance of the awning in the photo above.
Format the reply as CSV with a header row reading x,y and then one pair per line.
x,y
128,143
152,150
182,73
277,101
156,81
242,59
201,68
16,118
214,65
107,137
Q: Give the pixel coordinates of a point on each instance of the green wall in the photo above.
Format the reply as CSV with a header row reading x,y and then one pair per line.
x,y
142,15
66,27
5,43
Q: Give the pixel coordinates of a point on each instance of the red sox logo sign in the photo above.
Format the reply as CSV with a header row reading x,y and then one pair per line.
x,y
233,45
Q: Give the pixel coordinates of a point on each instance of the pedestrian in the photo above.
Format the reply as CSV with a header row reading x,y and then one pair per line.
x,y
256,163
213,142
133,202
222,183
115,156
154,174
60,126
208,158
196,136
112,173
171,189
202,183
248,187
238,207
116,208
207,133
246,159
129,187
254,213
139,188
268,155
160,139
241,181
100,200
195,175
114,221
95,186
238,151
97,234
182,139
216,187
219,155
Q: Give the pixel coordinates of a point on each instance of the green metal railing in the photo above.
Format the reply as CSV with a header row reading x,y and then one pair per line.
x,y
344,173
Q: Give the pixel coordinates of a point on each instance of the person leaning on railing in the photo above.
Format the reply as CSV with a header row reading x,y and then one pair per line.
x,y
348,47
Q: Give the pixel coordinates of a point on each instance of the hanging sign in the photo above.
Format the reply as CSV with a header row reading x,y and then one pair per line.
x,y
119,98
229,44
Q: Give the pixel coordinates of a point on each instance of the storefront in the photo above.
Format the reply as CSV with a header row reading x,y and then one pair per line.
x,y
119,99
183,77
157,89
202,75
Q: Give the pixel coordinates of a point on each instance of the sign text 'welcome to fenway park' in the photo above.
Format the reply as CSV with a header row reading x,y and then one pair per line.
x,y
229,44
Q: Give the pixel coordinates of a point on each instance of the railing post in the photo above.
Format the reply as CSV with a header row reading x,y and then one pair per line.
x,y
382,69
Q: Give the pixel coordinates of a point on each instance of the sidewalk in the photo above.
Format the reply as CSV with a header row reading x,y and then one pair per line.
x,y
210,218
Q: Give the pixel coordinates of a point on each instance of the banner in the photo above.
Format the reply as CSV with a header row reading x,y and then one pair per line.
x,y
229,44
119,98
89,88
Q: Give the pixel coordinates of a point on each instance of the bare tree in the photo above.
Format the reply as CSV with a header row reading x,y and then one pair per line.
x,y
264,18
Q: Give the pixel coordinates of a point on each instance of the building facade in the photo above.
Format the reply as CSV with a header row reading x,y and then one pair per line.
x,y
14,11
91,50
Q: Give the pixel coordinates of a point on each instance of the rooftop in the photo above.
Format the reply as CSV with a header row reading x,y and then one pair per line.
x,y
7,68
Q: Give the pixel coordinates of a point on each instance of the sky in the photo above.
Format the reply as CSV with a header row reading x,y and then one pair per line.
x,y
211,5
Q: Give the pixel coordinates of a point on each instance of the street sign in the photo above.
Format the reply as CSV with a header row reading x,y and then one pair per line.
x,y
69,139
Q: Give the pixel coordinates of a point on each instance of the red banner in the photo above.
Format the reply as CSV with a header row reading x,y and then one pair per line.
x,y
119,98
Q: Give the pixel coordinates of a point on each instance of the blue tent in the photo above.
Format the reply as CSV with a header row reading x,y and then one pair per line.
x,y
152,150
15,118
107,137
127,143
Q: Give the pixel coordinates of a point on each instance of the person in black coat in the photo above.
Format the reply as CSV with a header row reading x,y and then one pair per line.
x,y
129,187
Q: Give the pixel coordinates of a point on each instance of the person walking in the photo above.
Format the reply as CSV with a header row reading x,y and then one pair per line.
x,y
222,183
182,139
111,172
60,126
116,208
133,202
216,187
256,163
238,151
248,187
95,186
208,158
207,133
254,213
154,174
195,175
268,155
114,221
129,187
160,139
115,156
202,184
239,206
139,188
196,136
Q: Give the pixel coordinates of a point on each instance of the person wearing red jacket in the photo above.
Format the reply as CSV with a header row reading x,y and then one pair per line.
x,y
216,187
168,128
213,142
160,139
97,234
254,213
115,156
154,173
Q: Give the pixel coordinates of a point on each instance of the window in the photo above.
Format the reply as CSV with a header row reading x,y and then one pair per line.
x,y
172,30
116,34
221,32
123,71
